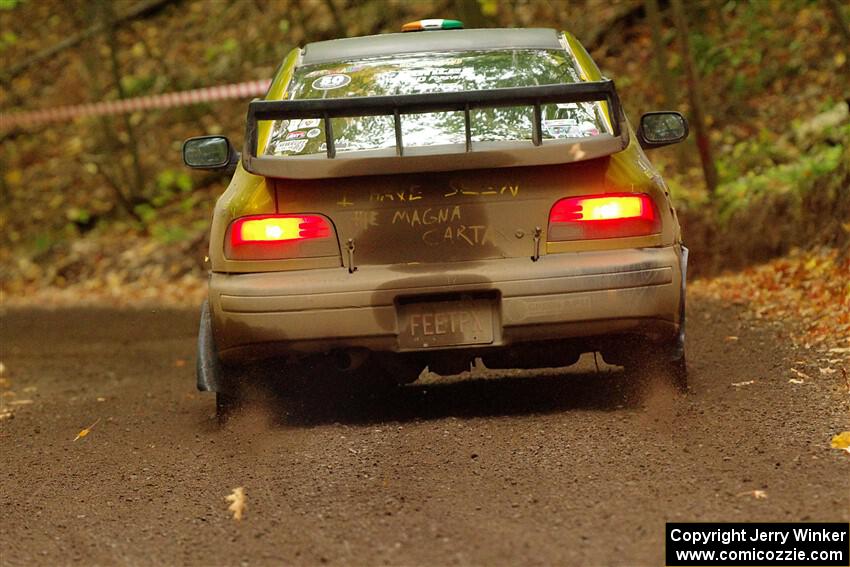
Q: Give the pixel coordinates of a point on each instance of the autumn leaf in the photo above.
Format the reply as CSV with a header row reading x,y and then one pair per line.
x,y
801,374
841,441
87,430
237,502
744,383
757,494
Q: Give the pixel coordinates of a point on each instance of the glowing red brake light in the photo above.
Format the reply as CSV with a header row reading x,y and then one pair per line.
x,y
613,215
273,229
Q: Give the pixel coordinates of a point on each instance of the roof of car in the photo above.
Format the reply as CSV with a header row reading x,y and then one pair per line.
x,y
353,48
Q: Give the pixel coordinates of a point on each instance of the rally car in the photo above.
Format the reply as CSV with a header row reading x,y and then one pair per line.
x,y
414,199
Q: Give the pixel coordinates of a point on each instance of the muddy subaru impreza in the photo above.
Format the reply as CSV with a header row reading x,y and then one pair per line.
x,y
417,199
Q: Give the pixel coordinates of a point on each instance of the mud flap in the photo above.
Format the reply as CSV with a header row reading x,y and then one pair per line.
x,y
207,368
679,349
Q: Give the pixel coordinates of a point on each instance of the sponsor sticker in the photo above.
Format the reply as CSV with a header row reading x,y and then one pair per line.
x,y
560,122
310,123
330,82
313,132
293,125
292,146
569,128
339,145
297,135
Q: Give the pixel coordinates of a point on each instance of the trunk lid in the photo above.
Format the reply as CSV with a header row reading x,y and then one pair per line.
x,y
441,217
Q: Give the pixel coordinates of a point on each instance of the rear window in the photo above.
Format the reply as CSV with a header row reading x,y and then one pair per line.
x,y
432,73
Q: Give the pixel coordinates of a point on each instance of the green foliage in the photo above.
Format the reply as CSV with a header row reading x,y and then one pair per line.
x,y
763,167
489,8
169,180
136,85
189,203
227,47
7,39
42,243
169,234
9,4
78,215
795,178
145,212
169,184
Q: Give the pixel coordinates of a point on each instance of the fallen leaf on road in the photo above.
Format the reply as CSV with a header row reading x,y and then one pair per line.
x,y
237,502
745,383
757,494
796,381
841,441
840,350
5,413
827,370
87,430
20,402
731,338
180,362
801,374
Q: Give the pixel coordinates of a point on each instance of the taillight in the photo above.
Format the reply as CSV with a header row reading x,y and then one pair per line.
x,y
277,228
613,215
261,237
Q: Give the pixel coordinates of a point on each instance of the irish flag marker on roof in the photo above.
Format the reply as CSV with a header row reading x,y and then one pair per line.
x,y
429,25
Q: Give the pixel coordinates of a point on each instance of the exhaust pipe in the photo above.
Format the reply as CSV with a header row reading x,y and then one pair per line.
x,y
349,359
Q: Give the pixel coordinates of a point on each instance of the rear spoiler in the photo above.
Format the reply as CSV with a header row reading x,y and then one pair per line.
x,y
444,157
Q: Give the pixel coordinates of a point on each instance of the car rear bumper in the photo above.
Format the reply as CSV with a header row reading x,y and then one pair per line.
x,y
560,296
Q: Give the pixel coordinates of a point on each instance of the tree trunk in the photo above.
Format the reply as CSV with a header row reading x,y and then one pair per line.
x,y
339,22
661,71
469,12
695,96
840,20
136,177
660,53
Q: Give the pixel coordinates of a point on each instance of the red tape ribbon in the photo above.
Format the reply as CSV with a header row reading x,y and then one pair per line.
x,y
166,100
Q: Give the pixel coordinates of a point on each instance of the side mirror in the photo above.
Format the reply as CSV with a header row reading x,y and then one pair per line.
x,y
661,129
210,152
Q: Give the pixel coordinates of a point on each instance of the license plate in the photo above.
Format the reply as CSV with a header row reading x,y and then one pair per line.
x,y
445,323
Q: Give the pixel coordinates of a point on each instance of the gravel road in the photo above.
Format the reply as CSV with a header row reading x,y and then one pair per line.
x,y
571,468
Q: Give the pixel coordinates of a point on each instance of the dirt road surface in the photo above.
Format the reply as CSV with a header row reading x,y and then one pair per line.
x,y
575,468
